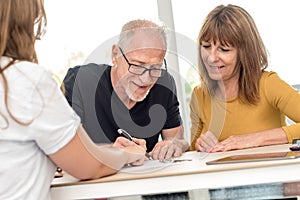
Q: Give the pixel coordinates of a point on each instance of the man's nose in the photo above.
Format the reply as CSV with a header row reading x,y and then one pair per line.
x,y
145,77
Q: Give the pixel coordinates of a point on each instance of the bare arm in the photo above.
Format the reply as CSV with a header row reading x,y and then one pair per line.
x,y
176,134
78,161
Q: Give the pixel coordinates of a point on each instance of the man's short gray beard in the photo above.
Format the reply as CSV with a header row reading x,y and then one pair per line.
x,y
131,96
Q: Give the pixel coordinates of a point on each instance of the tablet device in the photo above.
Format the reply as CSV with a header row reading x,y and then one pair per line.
x,y
256,157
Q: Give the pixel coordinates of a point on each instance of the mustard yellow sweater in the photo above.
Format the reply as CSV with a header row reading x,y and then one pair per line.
x,y
231,117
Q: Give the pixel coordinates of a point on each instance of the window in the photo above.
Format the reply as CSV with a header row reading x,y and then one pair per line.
x,y
76,29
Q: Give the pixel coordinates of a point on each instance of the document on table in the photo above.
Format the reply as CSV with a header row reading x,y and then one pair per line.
x,y
149,166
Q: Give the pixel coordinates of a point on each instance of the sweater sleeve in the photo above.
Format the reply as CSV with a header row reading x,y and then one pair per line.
x,y
196,124
286,99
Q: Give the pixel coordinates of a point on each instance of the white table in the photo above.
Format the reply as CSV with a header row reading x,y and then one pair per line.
x,y
184,176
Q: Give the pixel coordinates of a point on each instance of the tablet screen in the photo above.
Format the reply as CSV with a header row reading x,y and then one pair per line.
x,y
256,157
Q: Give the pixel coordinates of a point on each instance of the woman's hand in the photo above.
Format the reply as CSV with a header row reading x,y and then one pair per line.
x,y
206,142
250,140
136,150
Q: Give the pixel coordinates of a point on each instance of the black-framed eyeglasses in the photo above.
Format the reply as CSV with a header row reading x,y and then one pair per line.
x,y
155,70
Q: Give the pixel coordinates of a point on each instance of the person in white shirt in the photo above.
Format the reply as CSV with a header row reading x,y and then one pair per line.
x,y
38,129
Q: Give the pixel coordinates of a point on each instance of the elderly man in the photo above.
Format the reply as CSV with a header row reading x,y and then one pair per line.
x,y
136,93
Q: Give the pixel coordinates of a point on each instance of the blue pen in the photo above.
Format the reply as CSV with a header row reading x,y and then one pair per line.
x,y
129,137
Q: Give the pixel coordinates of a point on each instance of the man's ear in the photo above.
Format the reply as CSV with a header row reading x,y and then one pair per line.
x,y
114,53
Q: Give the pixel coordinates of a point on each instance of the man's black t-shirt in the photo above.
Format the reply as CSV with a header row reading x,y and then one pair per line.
x,y
89,91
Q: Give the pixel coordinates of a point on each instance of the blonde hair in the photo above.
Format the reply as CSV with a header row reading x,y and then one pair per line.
x,y
22,22
232,25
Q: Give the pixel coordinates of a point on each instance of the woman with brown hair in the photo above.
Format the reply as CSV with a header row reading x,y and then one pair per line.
x,y
239,104
38,129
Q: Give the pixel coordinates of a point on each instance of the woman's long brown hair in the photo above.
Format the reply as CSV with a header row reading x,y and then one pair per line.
x,y
22,22
232,25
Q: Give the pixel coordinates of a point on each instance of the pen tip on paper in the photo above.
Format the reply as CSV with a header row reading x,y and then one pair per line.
x,y
148,156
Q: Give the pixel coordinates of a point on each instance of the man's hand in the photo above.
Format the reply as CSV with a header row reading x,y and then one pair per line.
x,y
172,145
167,149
